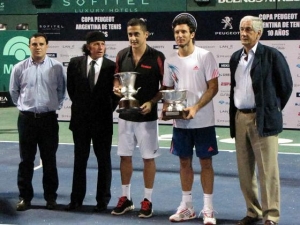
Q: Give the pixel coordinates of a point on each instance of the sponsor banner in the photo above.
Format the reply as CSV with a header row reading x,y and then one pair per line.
x,y
15,7
132,6
13,48
72,26
116,6
64,50
278,25
220,36
93,6
5,99
227,5
288,4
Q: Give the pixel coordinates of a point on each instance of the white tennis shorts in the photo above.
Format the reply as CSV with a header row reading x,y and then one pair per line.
x,y
142,134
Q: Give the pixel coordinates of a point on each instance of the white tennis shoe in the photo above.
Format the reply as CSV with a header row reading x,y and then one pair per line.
x,y
184,212
208,217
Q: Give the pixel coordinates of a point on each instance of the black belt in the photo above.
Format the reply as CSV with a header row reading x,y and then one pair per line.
x,y
253,110
38,115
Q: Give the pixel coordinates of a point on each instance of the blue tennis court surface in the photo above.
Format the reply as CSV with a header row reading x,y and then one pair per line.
x,y
228,199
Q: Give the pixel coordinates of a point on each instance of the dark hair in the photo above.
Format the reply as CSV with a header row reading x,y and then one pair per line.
x,y
39,35
85,50
184,20
138,22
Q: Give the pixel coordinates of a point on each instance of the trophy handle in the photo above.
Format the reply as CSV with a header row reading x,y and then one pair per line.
x,y
134,93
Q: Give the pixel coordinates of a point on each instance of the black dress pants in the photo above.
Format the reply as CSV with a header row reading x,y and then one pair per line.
x,y
102,148
42,133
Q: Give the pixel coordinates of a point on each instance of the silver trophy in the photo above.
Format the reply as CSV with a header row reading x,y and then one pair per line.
x,y
174,99
128,102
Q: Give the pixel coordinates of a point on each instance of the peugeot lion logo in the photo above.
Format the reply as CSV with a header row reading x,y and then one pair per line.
x,y
228,22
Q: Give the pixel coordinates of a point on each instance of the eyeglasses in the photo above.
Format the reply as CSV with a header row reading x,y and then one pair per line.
x,y
246,29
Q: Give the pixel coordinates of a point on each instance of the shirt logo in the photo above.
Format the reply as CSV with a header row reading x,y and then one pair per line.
x,y
146,66
173,71
196,68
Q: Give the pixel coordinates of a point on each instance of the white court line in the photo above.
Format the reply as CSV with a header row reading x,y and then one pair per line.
x,y
39,166
167,148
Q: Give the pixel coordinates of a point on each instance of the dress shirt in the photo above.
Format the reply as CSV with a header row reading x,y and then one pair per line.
x,y
38,87
243,91
97,66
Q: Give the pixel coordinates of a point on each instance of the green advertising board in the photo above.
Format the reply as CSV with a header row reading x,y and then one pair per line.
x,y
17,7
93,6
288,4
14,48
123,6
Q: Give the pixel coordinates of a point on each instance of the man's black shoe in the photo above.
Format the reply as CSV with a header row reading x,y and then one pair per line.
x,y
23,205
247,220
51,204
100,208
73,206
270,222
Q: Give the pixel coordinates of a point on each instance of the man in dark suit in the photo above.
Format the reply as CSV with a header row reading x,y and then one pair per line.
x,y
93,103
261,85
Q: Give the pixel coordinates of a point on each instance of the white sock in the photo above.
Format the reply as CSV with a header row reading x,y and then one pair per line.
x,y
148,193
208,203
187,197
126,191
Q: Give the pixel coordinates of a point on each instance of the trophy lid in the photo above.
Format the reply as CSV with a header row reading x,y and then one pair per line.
x,y
174,95
129,73
173,90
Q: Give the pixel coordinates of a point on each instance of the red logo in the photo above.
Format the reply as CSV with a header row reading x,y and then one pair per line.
x,y
210,149
225,83
145,66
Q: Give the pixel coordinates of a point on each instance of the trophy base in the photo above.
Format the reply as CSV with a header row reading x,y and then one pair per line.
x,y
169,115
129,106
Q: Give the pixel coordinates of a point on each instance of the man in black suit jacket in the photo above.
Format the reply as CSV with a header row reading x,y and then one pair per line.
x,y
91,118
261,85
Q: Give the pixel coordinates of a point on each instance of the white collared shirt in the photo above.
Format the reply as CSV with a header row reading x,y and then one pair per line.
x,y
243,91
98,65
38,87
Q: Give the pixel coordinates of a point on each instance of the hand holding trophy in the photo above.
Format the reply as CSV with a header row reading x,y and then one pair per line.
x,y
174,100
126,89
